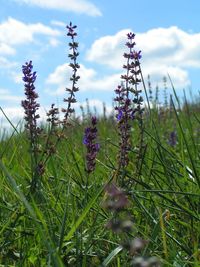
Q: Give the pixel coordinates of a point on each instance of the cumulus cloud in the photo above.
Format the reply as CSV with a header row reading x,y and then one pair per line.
x,y
91,81
16,115
179,77
165,50
58,80
13,112
162,45
6,64
14,32
54,42
10,69
58,23
94,104
5,95
171,45
77,6
108,50
5,49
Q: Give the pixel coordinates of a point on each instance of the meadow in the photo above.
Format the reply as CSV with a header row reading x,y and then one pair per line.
x,y
118,189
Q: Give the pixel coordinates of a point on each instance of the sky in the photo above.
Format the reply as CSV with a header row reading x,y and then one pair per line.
x,y
167,33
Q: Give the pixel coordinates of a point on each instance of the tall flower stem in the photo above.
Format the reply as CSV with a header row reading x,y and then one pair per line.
x,y
31,107
92,146
74,78
73,46
128,101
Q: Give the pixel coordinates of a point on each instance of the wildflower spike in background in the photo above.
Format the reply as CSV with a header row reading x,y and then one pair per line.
x,y
30,105
73,46
89,141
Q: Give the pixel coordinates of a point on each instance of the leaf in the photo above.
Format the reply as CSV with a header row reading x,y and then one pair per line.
x,y
111,256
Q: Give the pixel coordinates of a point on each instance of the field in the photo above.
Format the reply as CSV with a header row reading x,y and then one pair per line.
x,y
120,189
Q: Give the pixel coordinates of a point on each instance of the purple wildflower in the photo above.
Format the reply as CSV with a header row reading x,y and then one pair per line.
x,y
124,114
135,55
117,199
173,139
89,140
52,115
30,105
73,46
117,202
130,35
71,29
119,115
128,108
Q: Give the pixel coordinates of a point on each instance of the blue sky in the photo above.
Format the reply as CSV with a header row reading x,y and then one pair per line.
x,y
167,32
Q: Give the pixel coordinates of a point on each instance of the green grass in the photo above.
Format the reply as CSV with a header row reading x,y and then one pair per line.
x,y
63,224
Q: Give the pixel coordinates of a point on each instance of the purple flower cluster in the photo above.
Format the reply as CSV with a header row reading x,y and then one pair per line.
x,y
172,139
133,72
128,99
52,115
117,202
117,199
74,77
121,223
125,112
71,30
124,107
29,104
53,119
89,141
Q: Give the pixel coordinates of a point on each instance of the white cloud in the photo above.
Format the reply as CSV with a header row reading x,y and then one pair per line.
x,y
10,69
6,64
54,42
58,23
161,45
5,95
6,49
171,46
16,77
77,6
14,32
94,104
89,81
108,50
179,77
164,50
14,114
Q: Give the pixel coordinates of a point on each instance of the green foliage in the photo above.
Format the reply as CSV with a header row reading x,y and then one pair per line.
x,y
63,223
